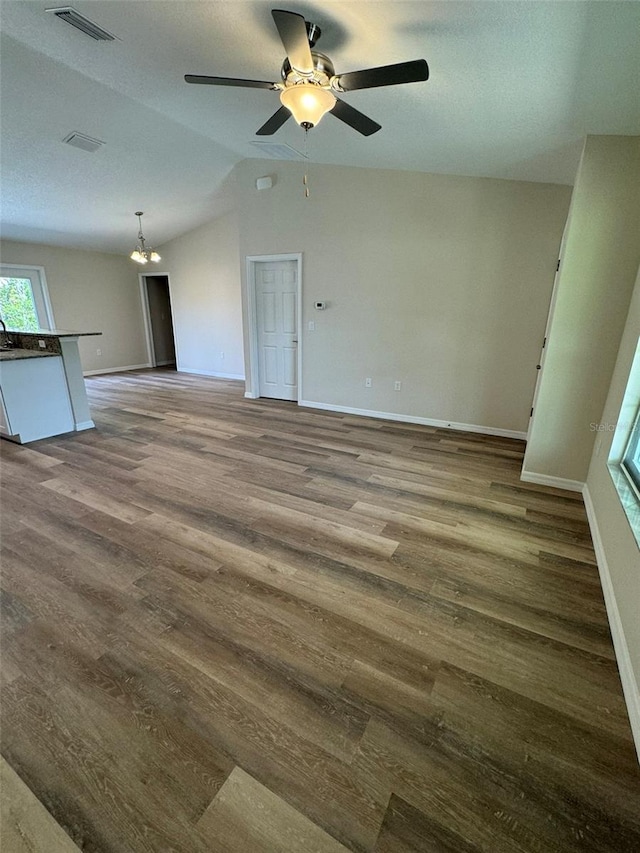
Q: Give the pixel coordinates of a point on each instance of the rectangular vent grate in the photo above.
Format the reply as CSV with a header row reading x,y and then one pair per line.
x,y
81,140
278,151
70,16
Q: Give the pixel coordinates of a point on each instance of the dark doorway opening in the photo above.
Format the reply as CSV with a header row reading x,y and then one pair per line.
x,y
160,320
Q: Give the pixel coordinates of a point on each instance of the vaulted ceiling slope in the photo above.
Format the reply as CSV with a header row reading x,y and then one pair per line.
x,y
514,87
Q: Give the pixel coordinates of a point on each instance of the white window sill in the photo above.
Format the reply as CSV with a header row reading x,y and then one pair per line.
x,y
628,498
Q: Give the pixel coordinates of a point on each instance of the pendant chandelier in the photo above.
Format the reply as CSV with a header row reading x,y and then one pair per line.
x,y
141,254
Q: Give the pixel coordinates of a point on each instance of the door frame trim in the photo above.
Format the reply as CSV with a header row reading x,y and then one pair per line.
x,y
251,261
146,316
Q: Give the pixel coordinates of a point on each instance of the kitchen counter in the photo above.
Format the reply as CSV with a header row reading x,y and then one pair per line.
x,y
42,390
56,333
19,353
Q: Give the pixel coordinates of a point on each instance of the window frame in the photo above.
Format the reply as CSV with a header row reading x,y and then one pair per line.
x,y
625,446
39,290
630,462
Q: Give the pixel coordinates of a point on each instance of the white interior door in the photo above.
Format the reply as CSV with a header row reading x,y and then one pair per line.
x,y
277,328
547,330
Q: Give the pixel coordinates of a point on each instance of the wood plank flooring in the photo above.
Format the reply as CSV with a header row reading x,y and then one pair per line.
x,y
233,625
25,823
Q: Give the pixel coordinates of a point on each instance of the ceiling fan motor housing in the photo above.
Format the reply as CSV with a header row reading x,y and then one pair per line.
x,y
323,71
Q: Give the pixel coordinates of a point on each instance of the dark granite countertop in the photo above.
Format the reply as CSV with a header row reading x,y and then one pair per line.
x,y
56,333
19,353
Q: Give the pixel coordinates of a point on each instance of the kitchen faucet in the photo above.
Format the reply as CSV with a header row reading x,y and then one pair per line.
x,y
8,343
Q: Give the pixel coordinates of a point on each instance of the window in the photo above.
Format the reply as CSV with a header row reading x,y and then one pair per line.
x,y
624,458
631,458
24,300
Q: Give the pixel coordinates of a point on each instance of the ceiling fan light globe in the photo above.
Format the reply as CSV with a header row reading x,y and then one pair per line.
x,y
307,102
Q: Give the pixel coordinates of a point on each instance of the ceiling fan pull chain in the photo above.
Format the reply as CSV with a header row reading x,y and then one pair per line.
x,y
305,179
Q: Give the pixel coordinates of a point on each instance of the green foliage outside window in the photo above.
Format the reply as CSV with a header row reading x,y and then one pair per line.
x,y
17,307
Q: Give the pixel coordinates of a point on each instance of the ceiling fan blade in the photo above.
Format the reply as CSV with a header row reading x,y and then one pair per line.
x,y
354,118
385,75
293,32
228,81
274,123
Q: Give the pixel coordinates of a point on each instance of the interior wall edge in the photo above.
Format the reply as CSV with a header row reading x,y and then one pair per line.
x,y
553,482
198,372
123,369
415,419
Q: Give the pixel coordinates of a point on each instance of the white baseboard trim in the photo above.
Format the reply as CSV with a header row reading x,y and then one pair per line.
x,y
630,686
214,373
84,425
553,482
116,369
414,419
250,395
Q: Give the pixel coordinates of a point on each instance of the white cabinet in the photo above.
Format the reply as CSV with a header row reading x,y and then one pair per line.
x,y
35,399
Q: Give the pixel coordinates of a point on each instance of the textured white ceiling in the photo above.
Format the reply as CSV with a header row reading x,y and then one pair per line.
x,y
514,88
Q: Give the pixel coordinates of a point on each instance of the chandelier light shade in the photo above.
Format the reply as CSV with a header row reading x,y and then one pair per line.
x,y
143,254
307,102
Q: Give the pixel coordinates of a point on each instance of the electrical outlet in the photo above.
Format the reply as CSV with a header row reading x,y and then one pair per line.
x,y
368,383
98,352
397,385
312,325
221,354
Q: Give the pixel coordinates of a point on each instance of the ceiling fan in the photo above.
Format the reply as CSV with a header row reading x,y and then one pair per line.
x,y
309,82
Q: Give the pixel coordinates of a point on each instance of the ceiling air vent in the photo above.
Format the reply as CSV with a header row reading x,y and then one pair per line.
x,y
278,151
68,14
80,140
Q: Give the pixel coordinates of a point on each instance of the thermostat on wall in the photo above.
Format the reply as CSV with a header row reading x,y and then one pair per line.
x,y
320,306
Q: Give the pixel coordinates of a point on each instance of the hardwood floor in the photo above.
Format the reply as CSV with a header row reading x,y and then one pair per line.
x,y
25,823
234,625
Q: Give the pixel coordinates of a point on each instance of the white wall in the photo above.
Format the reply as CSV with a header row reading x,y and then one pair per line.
x,y
91,292
441,282
204,273
597,274
619,556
